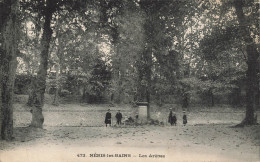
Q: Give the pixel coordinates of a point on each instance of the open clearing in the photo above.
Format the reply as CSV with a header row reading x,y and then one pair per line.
x,y
70,130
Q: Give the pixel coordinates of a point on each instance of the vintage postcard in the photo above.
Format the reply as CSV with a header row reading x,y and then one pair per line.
x,y
129,81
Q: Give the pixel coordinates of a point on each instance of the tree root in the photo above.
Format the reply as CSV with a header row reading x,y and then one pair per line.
x,y
247,122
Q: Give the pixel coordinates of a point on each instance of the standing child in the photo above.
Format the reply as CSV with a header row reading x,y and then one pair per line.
x,y
108,118
118,117
174,119
184,118
170,117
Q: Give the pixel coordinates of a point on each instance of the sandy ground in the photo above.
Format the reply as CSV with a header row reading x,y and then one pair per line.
x,y
77,133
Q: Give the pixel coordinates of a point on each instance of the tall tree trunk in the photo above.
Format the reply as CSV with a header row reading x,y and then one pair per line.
x,y
119,76
148,77
145,63
120,90
257,102
145,79
57,89
9,29
59,65
40,84
257,98
252,62
1,83
31,92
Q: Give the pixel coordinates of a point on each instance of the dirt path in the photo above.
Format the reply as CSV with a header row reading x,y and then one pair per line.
x,y
190,143
73,131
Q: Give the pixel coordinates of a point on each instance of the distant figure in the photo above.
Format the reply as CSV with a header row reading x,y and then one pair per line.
x,y
118,117
108,118
136,118
174,119
184,118
170,117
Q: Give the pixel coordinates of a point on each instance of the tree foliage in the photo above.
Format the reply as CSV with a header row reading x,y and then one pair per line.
x,y
131,50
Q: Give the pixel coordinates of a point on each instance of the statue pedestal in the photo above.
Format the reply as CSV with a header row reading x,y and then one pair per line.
x,y
142,112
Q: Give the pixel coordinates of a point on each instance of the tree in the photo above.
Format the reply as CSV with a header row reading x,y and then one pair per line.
x,y
40,81
46,11
98,81
224,64
235,30
252,61
9,41
122,22
28,56
163,18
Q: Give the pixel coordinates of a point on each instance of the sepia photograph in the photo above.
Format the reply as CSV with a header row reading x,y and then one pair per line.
x,y
129,81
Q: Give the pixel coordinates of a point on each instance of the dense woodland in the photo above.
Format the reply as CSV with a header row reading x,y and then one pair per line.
x,y
125,51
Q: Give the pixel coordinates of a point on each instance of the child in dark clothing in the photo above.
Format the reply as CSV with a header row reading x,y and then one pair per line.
x,y
174,119
108,118
170,117
184,118
118,117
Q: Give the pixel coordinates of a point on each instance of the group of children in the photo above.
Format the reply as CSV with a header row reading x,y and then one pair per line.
x,y
172,119
108,118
